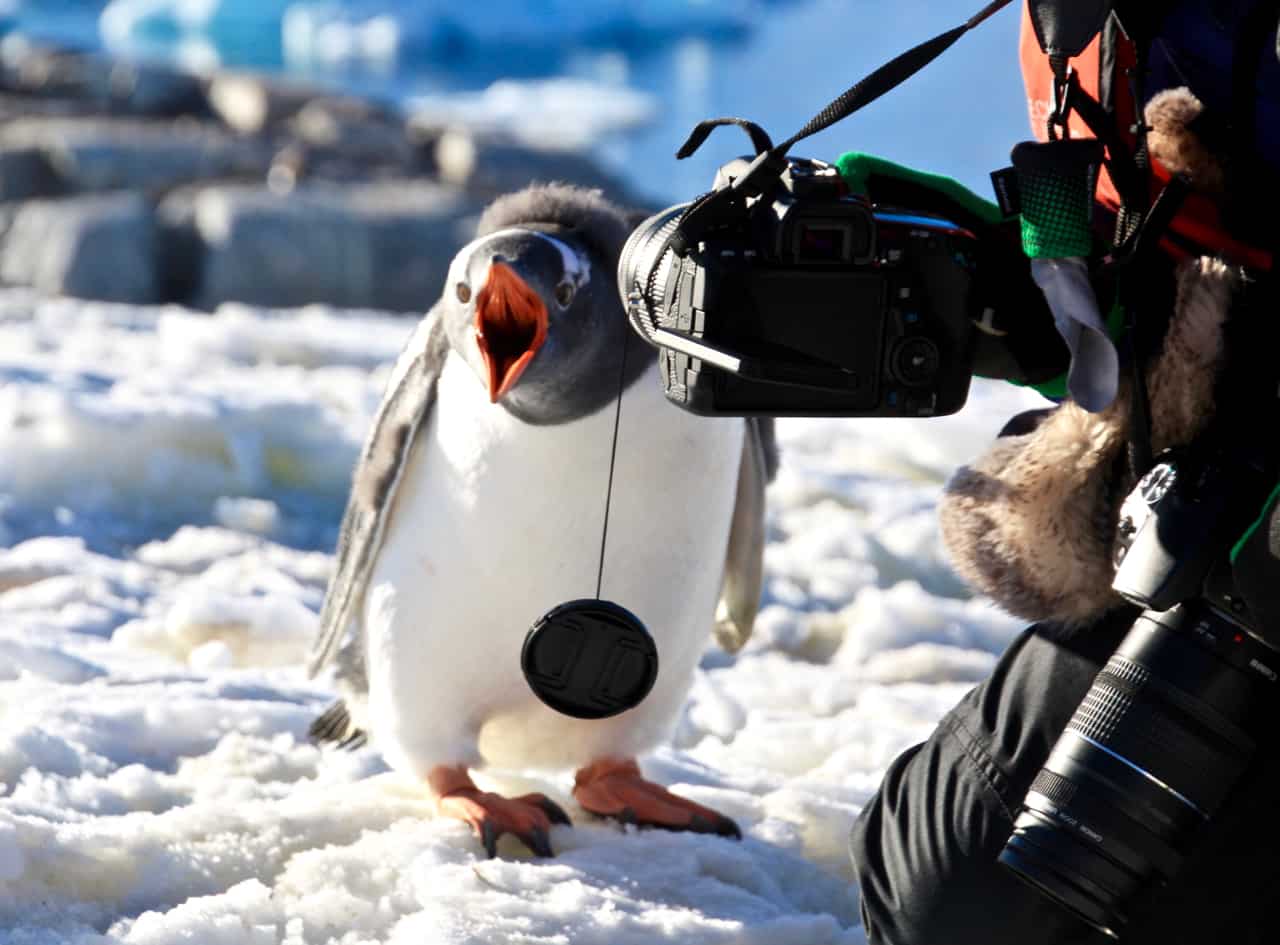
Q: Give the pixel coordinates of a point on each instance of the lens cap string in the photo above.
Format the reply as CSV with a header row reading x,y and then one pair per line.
x,y
613,455
591,658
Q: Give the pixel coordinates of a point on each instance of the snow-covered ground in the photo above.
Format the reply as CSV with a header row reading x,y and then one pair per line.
x,y
170,485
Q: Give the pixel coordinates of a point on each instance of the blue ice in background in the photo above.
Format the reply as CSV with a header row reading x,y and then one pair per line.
x,y
663,66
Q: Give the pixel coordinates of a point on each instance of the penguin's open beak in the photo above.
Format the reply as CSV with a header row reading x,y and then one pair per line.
x,y
511,325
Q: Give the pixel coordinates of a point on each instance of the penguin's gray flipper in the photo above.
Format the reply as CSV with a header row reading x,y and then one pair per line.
x,y
411,393
744,563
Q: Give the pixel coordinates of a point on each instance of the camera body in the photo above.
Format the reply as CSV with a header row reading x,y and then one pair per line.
x,y
1173,528
805,300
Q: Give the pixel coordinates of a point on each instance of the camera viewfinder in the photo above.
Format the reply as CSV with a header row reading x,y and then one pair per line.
x,y
826,242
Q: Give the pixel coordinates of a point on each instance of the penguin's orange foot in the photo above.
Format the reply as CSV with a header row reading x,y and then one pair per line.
x,y
613,788
528,818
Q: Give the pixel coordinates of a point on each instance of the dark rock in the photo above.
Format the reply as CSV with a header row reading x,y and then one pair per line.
x,y
100,247
345,217
487,167
179,249
40,70
105,154
252,105
7,213
414,230
99,83
156,92
26,173
15,105
268,249
357,131
373,246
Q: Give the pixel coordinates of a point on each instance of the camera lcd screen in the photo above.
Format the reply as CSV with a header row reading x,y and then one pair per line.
x,y
826,319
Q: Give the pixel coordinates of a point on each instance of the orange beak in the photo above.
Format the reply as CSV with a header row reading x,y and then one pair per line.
x,y
511,325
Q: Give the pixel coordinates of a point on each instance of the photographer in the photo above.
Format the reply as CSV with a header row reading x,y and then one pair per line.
x,y
1111,779
1033,522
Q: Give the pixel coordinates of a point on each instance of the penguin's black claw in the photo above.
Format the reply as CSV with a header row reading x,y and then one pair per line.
x,y
535,838
528,818
539,842
489,837
555,813
721,826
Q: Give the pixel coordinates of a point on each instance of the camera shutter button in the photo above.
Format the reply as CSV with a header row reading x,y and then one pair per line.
x,y
915,361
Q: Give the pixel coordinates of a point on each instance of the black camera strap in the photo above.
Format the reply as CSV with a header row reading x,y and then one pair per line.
x,y
862,93
1063,30
889,76
760,139
770,161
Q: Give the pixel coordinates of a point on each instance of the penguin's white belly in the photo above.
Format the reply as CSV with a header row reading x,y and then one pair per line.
x,y
496,522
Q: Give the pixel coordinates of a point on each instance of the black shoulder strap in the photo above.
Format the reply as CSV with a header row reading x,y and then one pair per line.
x,y
1065,27
890,76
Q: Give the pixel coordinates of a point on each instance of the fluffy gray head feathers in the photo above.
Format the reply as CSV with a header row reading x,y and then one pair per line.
x,y
599,223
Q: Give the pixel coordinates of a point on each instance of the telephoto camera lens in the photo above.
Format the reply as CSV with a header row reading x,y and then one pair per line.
x,y
1166,730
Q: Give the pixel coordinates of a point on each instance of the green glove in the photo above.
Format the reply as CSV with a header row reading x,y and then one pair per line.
x,y
860,170
1017,341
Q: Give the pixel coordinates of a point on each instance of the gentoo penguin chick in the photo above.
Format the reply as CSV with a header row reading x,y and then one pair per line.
x,y
478,504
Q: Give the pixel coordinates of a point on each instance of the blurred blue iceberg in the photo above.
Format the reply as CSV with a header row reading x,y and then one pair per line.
x,y
393,33
197,32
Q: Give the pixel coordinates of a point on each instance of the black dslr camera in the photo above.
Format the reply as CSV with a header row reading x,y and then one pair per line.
x,y
780,293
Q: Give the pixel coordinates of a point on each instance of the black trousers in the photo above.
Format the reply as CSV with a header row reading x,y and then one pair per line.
x,y
925,846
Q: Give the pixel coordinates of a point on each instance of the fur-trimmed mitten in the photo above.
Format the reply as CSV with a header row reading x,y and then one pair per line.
x,y
1032,522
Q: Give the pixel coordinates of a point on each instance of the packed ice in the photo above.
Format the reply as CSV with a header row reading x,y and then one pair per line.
x,y
559,113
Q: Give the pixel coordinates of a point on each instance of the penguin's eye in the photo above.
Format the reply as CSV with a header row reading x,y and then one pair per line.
x,y
564,294
464,293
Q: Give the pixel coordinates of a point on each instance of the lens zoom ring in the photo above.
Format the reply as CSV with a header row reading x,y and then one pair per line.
x,y
1055,787
1141,731
1115,718
1127,675
1197,714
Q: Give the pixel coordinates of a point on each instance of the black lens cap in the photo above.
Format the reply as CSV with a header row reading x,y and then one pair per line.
x,y
590,659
